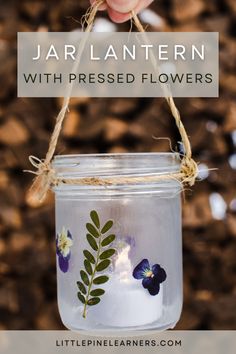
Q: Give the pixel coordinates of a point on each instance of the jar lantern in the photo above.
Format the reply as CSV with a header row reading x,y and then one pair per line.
x,y
118,246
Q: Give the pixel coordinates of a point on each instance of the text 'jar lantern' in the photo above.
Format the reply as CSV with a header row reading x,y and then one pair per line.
x,y
119,246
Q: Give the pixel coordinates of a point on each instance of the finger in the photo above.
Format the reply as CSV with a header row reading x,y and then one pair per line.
x,y
101,7
120,17
122,6
142,4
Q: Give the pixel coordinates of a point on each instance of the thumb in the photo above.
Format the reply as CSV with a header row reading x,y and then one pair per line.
x,y
122,6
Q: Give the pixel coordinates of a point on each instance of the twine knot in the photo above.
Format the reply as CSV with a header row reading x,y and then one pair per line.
x,y
189,169
45,176
41,166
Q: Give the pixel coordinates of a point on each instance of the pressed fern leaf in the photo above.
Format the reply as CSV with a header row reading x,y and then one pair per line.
x,y
96,260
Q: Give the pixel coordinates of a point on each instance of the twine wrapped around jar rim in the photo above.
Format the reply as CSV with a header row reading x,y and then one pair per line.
x,y
45,174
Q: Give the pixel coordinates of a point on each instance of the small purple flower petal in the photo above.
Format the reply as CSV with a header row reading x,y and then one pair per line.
x,y
159,273
63,263
57,248
154,287
147,282
69,235
63,249
140,269
155,268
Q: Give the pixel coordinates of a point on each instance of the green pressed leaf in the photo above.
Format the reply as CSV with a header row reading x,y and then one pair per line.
x,y
89,256
92,230
88,267
97,292
109,239
107,254
92,242
100,280
107,226
81,287
103,265
81,298
93,301
95,218
95,262
84,277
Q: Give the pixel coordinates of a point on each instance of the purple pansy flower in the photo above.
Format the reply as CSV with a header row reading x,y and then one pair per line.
x,y
152,276
63,244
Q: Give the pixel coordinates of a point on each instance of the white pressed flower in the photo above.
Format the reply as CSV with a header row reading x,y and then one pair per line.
x,y
64,243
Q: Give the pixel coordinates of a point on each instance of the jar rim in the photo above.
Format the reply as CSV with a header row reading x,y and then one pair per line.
x,y
91,165
116,165
59,159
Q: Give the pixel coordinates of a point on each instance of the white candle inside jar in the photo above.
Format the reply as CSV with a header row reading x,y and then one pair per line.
x,y
126,302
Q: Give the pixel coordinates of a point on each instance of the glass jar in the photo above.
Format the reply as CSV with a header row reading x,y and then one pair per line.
x,y
119,247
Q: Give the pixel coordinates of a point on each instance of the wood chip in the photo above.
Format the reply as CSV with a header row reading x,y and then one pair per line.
x,y
13,132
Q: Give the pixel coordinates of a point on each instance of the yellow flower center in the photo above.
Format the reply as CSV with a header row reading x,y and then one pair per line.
x,y
149,274
64,243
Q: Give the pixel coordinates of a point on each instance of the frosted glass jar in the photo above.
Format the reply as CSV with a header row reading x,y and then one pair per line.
x,y
119,247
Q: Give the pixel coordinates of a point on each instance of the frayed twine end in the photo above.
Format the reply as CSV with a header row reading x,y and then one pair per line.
x,y
189,169
43,181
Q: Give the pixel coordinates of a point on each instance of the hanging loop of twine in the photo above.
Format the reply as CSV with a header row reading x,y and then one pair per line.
x,y
46,176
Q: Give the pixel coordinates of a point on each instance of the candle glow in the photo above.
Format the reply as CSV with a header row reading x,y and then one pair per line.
x,y
123,266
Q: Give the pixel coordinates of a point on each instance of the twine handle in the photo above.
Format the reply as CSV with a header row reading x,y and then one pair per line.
x,y
45,175
189,167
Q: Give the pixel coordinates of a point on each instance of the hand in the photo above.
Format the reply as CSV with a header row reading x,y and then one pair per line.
x,y
119,10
